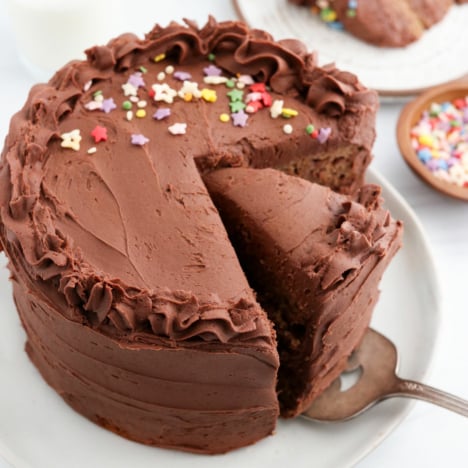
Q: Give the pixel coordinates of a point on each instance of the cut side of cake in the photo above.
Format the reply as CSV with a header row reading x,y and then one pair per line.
x,y
315,259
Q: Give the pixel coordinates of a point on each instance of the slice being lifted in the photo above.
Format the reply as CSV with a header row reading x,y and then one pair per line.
x,y
315,258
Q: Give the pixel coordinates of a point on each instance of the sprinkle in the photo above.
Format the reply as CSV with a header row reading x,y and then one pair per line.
x,y
267,99
71,140
92,150
253,97
237,106
215,80
126,105
209,95
440,140
257,88
212,70
169,69
287,129
324,134
143,69
97,93
182,76
309,129
162,113
129,89
276,108
161,76
134,98
224,118
140,113
142,104
87,85
159,57
253,107
93,105
99,134
163,92
230,83
190,87
240,85
99,97
246,79
235,95
138,139
288,113
178,129
211,57
239,119
129,115
136,79
108,105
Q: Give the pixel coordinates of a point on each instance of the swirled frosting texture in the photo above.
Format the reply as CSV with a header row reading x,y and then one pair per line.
x,y
129,236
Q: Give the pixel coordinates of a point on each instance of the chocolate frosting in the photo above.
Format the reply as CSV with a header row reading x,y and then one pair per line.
x,y
95,228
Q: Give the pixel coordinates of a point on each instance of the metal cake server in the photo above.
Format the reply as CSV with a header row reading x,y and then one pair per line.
x,y
377,357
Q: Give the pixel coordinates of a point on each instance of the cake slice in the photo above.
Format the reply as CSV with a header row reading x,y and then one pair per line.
x,y
315,259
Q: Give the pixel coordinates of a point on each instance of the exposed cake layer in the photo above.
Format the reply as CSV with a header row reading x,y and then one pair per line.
x,y
315,258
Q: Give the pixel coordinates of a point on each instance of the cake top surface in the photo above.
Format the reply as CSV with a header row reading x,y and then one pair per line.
x,y
109,208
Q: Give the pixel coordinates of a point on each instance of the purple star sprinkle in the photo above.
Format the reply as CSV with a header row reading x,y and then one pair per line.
x,y
324,134
212,70
239,119
138,139
108,105
182,76
162,113
136,79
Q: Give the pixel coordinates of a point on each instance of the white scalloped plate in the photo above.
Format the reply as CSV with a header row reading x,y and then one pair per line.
x,y
37,429
439,56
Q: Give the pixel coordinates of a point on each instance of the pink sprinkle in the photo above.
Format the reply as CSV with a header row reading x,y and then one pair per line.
x,y
324,134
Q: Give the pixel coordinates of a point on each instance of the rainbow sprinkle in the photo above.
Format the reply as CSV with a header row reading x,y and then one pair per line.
x,y
440,140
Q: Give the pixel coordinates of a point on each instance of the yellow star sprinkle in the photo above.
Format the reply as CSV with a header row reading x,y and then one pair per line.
x,y
209,95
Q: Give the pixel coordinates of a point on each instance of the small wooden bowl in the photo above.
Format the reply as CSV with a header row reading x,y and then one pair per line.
x,y
410,116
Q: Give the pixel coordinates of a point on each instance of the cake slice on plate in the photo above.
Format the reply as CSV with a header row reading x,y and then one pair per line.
x,y
315,259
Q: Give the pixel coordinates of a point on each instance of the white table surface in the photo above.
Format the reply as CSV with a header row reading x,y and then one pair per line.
x,y
429,436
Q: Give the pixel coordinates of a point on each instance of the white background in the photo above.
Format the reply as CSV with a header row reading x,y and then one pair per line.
x,y
429,436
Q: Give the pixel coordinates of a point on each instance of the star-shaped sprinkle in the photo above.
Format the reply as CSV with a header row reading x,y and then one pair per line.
x,y
239,119
253,97
209,95
182,76
236,106
324,134
189,87
108,105
257,88
129,89
178,128
99,134
71,140
138,139
163,92
212,70
162,113
136,80
235,95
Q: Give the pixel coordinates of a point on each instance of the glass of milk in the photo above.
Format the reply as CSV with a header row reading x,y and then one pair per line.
x,y
49,33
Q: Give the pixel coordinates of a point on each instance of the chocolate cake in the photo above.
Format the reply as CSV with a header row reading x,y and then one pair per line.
x,y
385,23
136,309
315,259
